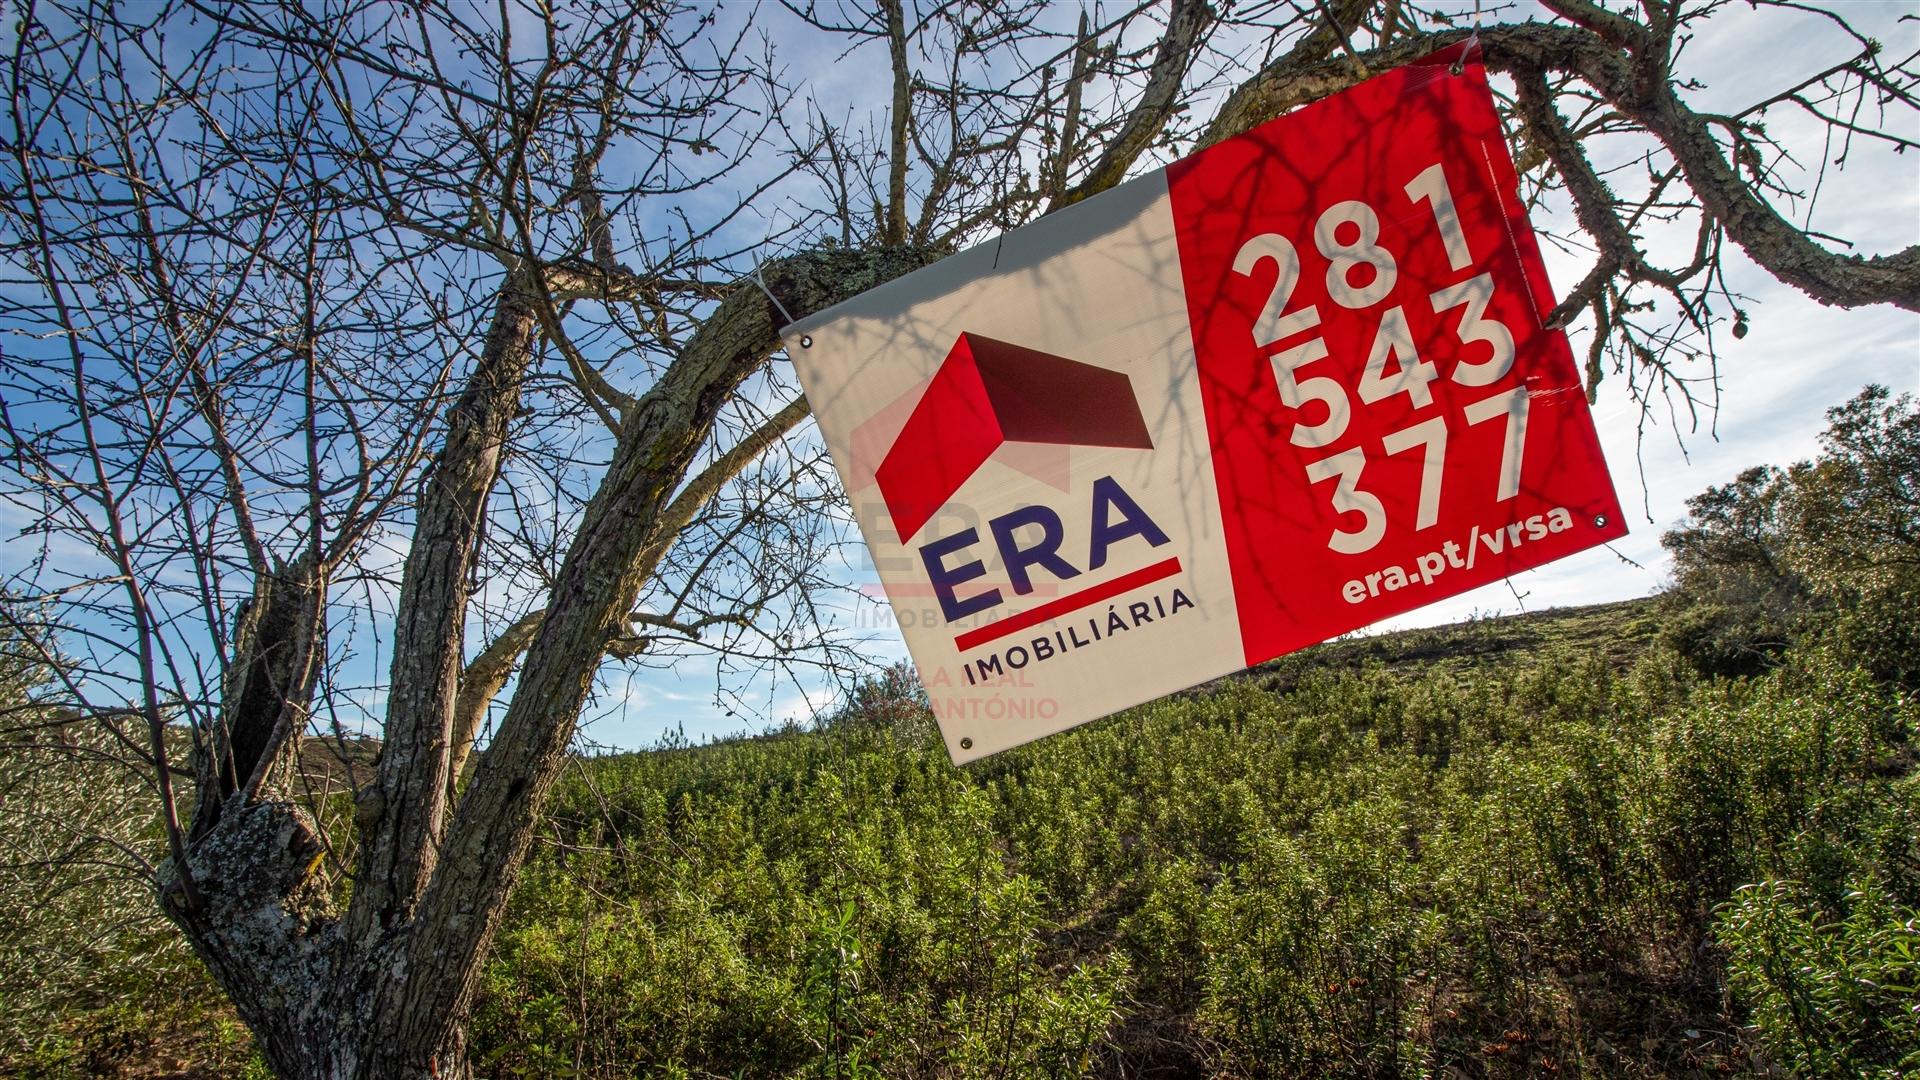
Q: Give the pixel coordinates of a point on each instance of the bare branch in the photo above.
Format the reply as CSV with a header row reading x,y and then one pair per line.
x,y
1186,27
900,120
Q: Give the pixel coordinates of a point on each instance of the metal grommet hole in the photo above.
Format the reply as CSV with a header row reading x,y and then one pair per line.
x,y
1600,521
806,341
966,744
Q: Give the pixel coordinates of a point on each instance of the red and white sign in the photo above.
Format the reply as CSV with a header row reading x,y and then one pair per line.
x,y
1287,387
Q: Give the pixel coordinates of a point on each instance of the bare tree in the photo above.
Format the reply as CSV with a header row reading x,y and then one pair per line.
x,y
371,336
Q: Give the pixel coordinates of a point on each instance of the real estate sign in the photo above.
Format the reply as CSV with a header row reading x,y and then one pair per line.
x,y
1284,388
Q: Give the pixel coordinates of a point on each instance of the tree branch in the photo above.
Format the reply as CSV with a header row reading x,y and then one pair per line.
x,y
406,804
895,228
1270,93
1769,239
1056,179
485,674
1593,201
1613,28
489,671
1185,27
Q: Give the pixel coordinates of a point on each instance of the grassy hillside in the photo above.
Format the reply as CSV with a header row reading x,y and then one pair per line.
x,y
1619,632
1518,847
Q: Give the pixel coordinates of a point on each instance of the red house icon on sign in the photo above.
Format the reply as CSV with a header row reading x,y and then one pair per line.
x,y
988,393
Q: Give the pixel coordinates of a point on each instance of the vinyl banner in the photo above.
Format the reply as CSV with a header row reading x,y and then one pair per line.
x,y
1284,388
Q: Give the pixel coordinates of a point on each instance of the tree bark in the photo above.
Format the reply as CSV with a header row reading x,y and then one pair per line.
x,y
405,810
1185,25
604,569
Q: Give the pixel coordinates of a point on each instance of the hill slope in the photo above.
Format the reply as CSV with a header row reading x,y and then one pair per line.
x,y
1512,847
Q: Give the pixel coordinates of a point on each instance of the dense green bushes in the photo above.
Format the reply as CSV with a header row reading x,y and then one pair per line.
x,y
1831,996
835,900
1503,868
1552,860
91,974
1827,549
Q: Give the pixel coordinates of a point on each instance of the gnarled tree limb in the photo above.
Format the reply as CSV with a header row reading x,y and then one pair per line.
x,y
1772,241
488,837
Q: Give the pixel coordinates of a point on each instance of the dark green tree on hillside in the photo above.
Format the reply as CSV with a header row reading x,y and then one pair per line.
x,y
1853,529
1828,546
1730,570
416,338
1853,520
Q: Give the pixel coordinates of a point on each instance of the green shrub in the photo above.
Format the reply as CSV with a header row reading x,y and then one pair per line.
x,y
1725,640
1826,549
1832,993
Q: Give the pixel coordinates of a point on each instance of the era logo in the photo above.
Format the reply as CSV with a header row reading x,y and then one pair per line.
x,y
986,394
1115,517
